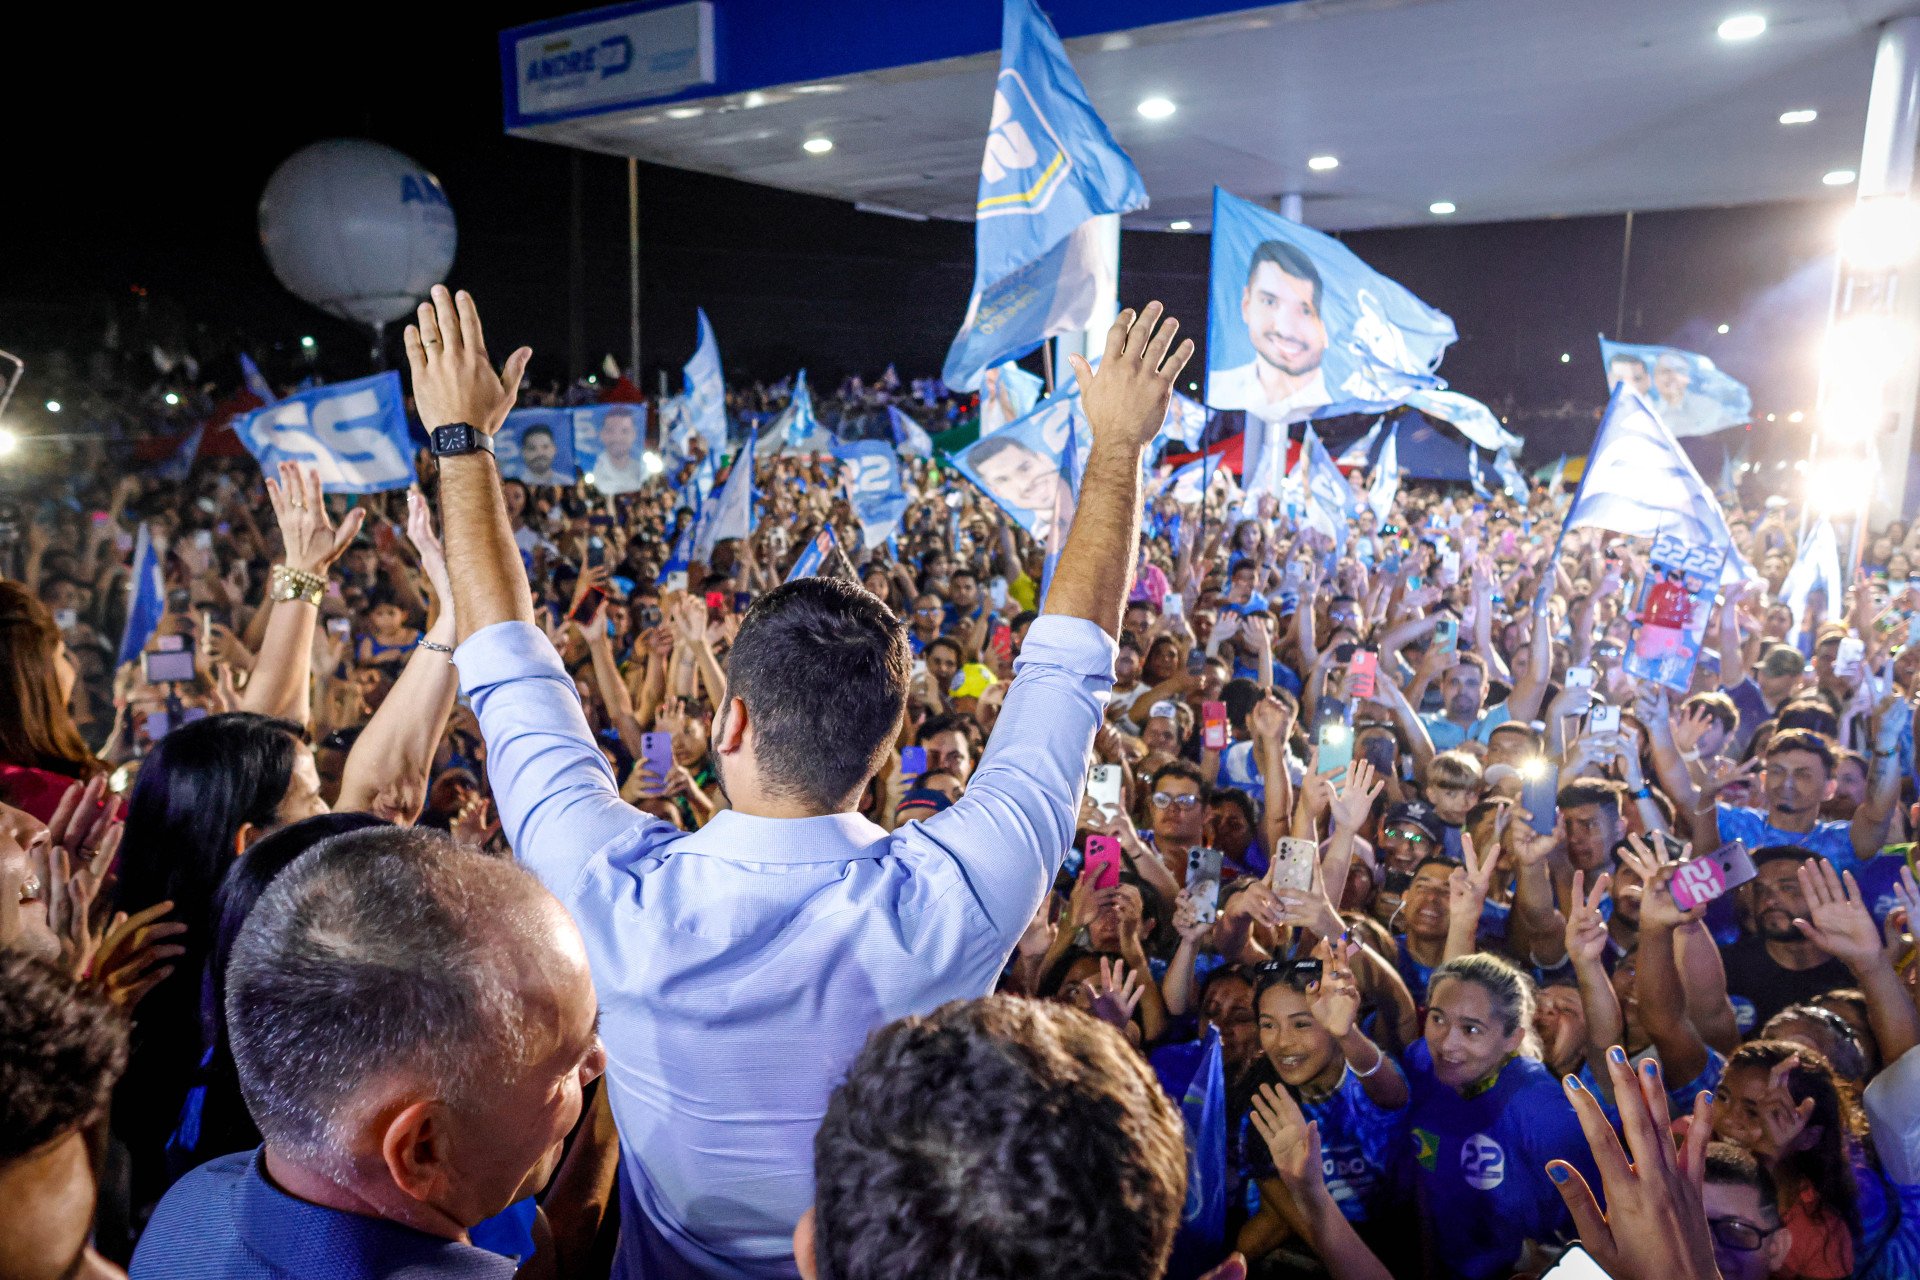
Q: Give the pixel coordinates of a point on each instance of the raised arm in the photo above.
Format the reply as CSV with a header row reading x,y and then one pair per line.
x,y
280,681
387,771
1663,995
1875,815
557,797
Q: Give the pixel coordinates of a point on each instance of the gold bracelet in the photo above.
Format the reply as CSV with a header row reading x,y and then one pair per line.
x,y
287,584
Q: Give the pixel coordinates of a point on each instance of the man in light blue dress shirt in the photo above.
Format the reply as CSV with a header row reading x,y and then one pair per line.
x,y
741,967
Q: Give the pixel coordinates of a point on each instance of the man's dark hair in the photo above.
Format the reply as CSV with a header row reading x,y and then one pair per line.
x,y
1734,1166
1290,260
822,667
537,429
948,643
997,1137
62,1046
1182,769
1801,740
949,722
1718,705
1521,727
1241,696
1581,792
1239,800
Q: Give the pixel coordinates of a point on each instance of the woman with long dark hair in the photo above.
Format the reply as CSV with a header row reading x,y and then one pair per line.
x,y
41,750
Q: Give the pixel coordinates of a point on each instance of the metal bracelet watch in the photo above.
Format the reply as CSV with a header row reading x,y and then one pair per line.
x,y
457,438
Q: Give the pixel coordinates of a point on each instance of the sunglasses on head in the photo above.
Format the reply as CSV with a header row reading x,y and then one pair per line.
x,y
1298,974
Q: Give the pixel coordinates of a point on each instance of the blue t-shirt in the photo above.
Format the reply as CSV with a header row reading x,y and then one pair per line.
x,y
1359,1143
1831,838
1447,735
1482,1163
1679,1096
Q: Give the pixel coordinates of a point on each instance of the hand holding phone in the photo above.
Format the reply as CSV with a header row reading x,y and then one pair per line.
x,y
1103,788
1203,883
1699,881
1102,862
1214,730
1363,673
913,761
1293,864
1446,634
656,753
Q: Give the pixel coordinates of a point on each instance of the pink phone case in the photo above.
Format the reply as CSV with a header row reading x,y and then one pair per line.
x,y
1102,861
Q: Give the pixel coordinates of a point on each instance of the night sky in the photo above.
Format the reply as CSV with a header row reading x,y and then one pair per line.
x,y
141,164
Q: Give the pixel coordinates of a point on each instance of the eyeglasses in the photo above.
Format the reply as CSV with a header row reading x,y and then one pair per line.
x,y
928,611
1161,800
1738,1234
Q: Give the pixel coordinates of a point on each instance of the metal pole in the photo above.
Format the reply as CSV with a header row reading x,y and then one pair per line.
x,y
576,272
1291,207
633,270
1620,305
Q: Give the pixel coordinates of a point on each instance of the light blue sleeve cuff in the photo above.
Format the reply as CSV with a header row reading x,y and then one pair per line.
x,y
1074,644
505,651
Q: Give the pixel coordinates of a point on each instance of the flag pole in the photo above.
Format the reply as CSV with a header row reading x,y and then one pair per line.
x,y
1544,592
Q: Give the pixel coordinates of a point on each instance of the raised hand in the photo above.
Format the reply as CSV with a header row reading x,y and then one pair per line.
x,y
1658,910
1782,1120
1467,885
311,543
1655,1224
452,379
1354,800
1117,994
426,544
1839,922
1292,1140
1126,400
1586,928
1270,719
131,956
1336,1001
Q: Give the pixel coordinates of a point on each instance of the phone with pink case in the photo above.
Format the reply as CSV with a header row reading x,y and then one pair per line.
x,y
1700,880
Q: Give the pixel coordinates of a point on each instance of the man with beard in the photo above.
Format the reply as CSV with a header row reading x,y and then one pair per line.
x,y
1776,965
1797,774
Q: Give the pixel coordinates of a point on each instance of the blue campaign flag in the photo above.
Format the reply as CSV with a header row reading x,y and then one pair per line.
x,y
609,446
1298,327
1007,394
1471,418
1360,451
535,447
707,389
908,436
1029,467
679,558
353,433
797,427
149,598
729,513
1186,422
1511,481
1386,478
256,382
1639,482
874,486
1814,589
1331,502
813,555
1474,476
1689,392
1193,1074
1558,474
1049,166
676,427
179,464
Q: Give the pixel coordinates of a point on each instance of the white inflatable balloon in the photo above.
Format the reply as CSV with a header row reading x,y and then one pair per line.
x,y
357,229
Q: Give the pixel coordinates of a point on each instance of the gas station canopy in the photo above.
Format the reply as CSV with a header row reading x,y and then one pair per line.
x,y
1502,109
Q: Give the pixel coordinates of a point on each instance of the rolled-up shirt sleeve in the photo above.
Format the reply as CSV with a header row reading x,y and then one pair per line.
x,y
1011,830
557,797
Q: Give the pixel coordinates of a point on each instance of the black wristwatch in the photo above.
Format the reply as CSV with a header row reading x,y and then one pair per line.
x,y
457,438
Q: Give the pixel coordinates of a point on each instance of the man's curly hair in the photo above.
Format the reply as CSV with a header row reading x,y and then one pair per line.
x,y
999,1137
62,1046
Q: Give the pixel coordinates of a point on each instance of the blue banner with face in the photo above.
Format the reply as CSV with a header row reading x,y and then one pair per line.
x,y
609,444
1689,392
535,447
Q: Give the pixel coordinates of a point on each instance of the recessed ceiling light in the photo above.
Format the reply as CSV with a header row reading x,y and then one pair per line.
x,y
1179,224
1805,115
1441,207
1566,357
1320,164
1742,26
1155,108
685,113
817,146
1839,177
1722,329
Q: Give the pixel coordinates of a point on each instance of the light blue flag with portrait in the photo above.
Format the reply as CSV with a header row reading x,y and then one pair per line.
x,y
1689,392
1049,166
707,389
1298,327
1029,467
609,446
728,513
535,447
813,555
1640,482
149,602
353,433
1007,394
256,381
1471,418
874,487
908,436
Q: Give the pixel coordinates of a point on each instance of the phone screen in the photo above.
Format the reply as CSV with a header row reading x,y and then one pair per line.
x,y
1539,789
1335,740
1196,662
1203,883
913,761
1446,635
590,602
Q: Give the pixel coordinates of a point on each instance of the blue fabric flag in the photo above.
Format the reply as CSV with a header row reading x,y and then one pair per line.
x,y
1514,484
729,514
1386,479
908,436
149,597
874,486
1639,482
1472,419
256,382
1029,467
1474,476
1049,166
813,555
797,427
1331,502
1814,589
179,465
1193,1074
679,558
1298,327
1360,452
707,389
1007,394
1690,393
535,447
609,445
354,433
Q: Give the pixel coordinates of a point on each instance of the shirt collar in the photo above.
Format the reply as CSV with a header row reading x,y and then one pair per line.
x,y
305,1239
832,837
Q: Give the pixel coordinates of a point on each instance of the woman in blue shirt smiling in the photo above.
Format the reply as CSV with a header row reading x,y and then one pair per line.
x,y
1486,1117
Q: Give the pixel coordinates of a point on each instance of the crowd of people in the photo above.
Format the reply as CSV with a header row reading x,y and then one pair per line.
x,y
452,885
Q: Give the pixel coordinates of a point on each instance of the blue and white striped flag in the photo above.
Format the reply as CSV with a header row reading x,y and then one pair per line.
x,y
729,512
1640,483
1330,499
1511,480
149,598
1386,479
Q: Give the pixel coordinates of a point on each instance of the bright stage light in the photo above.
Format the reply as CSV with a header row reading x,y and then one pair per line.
x,y
1862,353
1721,329
306,343
1795,416
817,146
172,398
1566,357
8,442
1742,26
1441,207
53,406
1840,484
1880,234
1155,108
1320,164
